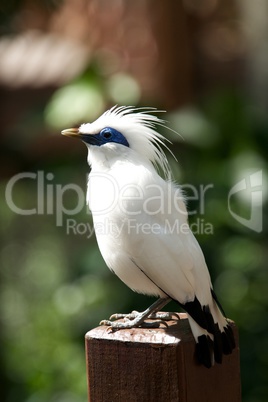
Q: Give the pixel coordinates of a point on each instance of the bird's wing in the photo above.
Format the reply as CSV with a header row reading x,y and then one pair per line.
x,y
173,261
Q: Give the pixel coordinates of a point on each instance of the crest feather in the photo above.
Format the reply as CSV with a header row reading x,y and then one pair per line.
x,y
138,125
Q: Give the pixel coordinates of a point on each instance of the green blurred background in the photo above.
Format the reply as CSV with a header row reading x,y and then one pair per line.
x,y
65,62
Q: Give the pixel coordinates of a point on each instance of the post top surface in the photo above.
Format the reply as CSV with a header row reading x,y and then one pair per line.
x,y
176,330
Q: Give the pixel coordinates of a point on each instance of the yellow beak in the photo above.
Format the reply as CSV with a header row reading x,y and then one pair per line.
x,y
71,132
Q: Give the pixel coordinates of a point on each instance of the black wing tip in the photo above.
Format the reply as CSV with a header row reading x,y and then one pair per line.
x,y
195,310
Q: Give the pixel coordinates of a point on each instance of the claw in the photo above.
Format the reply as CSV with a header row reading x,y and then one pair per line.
x,y
105,322
154,324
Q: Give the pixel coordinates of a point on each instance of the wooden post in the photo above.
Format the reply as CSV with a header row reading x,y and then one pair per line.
x,y
156,365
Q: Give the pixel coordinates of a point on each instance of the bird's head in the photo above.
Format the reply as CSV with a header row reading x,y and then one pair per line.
x,y
124,130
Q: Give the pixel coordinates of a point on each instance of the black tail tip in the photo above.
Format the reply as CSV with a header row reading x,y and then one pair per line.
x,y
208,351
228,340
204,348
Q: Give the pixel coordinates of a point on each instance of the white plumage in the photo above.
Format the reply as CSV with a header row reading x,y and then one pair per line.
x,y
142,227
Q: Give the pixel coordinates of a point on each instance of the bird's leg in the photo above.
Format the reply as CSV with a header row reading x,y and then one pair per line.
x,y
135,318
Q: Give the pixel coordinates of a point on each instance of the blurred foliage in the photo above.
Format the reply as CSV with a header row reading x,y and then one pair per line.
x,y
86,97
54,284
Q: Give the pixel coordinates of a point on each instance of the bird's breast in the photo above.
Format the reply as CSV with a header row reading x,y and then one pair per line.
x,y
128,204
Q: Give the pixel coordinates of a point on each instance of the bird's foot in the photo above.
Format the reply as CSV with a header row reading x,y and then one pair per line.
x,y
136,319
160,315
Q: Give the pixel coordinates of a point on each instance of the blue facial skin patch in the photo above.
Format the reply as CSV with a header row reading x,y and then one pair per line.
x,y
107,134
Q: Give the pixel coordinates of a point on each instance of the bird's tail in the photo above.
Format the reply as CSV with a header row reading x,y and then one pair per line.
x,y
213,334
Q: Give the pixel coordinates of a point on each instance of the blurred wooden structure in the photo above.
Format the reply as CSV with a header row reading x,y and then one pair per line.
x,y
156,365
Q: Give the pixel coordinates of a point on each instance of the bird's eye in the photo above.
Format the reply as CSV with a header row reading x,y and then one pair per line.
x,y
107,135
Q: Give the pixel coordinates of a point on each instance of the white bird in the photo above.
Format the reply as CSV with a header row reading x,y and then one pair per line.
x,y
141,225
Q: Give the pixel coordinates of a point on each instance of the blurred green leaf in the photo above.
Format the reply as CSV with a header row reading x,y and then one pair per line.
x,y
81,101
